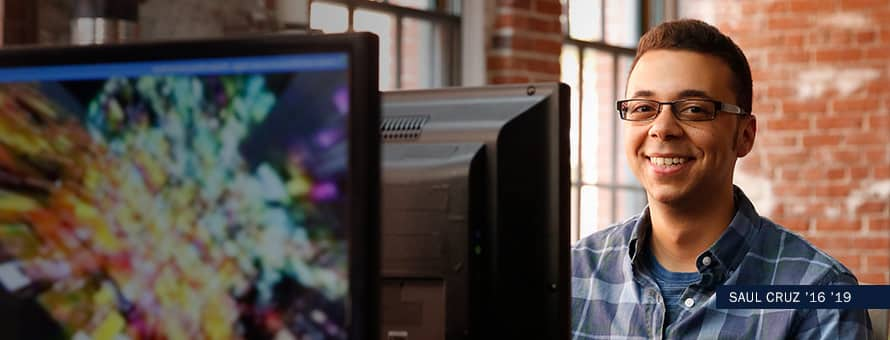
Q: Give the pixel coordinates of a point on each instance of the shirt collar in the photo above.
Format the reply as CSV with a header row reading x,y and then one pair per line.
x,y
639,237
724,255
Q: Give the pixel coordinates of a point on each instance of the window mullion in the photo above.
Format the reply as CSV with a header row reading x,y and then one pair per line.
x,y
615,141
399,50
580,170
350,27
454,58
568,24
603,20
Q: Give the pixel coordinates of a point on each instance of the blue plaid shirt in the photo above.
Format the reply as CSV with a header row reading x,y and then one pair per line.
x,y
613,299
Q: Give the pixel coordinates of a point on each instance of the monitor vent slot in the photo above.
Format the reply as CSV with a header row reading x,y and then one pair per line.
x,y
401,128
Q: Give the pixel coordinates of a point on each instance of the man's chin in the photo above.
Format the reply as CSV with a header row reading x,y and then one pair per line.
x,y
668,195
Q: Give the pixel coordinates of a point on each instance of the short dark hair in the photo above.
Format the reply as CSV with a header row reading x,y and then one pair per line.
x,y
698,36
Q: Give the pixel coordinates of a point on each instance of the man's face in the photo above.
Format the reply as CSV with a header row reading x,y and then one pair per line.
x,y
706,150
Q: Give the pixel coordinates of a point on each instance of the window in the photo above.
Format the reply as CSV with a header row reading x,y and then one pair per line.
x,y
419,39
598,49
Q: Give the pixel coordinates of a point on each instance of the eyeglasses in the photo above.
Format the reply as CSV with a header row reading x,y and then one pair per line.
x,y
683,109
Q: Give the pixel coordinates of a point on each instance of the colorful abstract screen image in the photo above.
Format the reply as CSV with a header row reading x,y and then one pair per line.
x,y
196,199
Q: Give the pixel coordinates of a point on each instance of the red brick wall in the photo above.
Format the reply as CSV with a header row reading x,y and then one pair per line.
x,y
526,41
821,164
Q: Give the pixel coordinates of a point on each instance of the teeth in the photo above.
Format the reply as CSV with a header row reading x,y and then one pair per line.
x,y
667,161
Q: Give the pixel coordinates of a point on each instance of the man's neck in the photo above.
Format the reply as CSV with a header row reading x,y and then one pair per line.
x,y
681,233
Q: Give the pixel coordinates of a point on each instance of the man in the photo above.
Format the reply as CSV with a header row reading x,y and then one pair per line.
x,y
687,119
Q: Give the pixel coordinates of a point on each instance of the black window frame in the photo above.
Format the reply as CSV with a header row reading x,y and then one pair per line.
x,y
442,16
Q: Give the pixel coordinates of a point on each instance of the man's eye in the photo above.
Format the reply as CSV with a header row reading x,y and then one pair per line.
x,y
695,109
642,108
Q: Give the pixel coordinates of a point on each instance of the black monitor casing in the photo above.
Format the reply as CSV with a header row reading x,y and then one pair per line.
x,y
476,213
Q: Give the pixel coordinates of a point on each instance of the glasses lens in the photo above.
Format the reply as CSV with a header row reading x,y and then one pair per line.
x,y
638,109
695,109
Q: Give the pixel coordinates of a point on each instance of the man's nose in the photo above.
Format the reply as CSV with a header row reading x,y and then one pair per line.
x,y
665,126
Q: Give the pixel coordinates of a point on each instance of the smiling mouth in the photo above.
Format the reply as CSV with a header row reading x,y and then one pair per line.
x,y
668,162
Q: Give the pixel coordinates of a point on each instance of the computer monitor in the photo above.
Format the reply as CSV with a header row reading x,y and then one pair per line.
x,y
476,213
208,189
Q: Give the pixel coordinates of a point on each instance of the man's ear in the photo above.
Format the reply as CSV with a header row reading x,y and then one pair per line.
x,y
745,140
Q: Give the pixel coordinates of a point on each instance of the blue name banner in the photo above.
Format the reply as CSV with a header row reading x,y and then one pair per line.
x,y
803,297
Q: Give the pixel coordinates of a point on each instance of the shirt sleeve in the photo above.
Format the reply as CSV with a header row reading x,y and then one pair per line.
x,y
835,323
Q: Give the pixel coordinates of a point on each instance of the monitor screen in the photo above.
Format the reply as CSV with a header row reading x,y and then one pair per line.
x,y
208,193
475,222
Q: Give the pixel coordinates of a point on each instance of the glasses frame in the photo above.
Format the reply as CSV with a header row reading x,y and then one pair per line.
x,y
720,107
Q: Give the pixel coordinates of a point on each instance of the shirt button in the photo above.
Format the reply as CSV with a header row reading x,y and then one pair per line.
x,y
689,302
706,261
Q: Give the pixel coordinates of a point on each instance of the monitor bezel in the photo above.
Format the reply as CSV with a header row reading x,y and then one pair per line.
x,y
363,182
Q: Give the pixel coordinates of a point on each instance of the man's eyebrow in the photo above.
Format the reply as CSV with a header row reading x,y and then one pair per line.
x,y
643,93
693,93
688,93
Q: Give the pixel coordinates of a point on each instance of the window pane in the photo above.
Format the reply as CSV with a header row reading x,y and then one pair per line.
x,y
574,215
597,117
589,209
605,215
629,203
418,4
624,64
423,54
384,25
596,209
454,7
328,17
625,175
585,19
569,74
622,22
656,12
